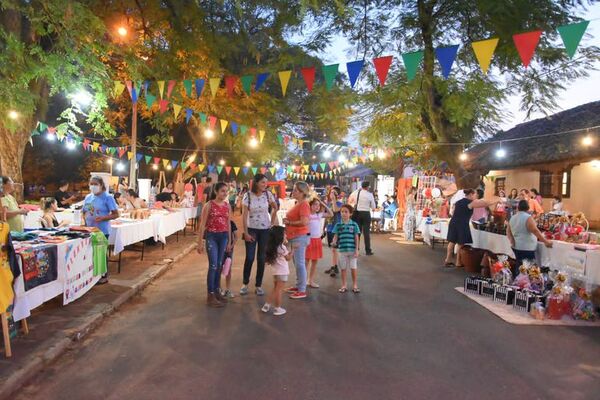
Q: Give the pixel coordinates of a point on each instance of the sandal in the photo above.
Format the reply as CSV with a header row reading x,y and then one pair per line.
x,y
356,290
343,290
449,265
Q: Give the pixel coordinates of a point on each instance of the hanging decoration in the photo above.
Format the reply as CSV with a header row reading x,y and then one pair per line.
x,y
446,57
382,67
526,44
571,36
484,51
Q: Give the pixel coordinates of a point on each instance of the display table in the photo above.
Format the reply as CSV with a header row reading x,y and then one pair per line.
x,y
167,223
32,219
191,212
125,232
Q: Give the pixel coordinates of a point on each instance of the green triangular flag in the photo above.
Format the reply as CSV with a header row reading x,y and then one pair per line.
x,y
329,72
254,169
571,35
280,138
219,169
183,165
323,166
247,83
243,129
411,63
148,159
202,117
150,100
42,127
113,150
187,84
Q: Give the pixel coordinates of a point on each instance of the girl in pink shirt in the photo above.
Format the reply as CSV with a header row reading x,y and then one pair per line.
x,y
314,251
277,257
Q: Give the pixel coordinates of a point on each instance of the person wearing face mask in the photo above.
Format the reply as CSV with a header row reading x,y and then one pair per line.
x,y
99,208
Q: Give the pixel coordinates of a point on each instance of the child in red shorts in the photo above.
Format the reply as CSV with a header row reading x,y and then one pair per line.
x,y
314,251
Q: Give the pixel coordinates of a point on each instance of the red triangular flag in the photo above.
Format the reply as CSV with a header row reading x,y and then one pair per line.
x,y
286,139
308,74
230,84
212,121
228,170
263,170
129,87
331,164
193,166
163,105
253,132
156,160
121,152
86,143
382,67
172,84
526,44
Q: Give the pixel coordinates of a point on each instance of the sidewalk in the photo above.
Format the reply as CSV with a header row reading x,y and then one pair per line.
x,y
53,328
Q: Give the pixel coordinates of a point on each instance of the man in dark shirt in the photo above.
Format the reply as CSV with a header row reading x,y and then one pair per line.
x,y
64,198
208,191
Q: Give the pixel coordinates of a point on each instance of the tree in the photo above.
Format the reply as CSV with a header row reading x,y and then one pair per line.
x,y
430,113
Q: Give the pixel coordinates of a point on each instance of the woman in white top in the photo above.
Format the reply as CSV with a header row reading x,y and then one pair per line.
x,y
257,219
133,201
523,234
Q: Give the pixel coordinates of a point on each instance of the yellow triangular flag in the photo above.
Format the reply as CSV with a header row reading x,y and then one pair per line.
x,y
284,78
305,167
95,146
223,125
484,50
201,167
165,162
176,110
129,155
272,169
119,87
236,170
261,135
214,85
161,88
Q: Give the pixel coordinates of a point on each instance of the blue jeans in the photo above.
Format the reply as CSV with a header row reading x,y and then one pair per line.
x,y
299,245
216,242
260,240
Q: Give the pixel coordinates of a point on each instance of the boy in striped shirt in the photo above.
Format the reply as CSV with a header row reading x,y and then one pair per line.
x,y
346,235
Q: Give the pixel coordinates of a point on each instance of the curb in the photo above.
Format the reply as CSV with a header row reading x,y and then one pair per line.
x,y
21,377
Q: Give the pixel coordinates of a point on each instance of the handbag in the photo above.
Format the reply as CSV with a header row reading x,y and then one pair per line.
x,y
355,212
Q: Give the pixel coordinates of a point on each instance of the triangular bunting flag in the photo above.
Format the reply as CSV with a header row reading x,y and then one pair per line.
x,y
129,155
150,99
260,79
228,170
202,117
236,170
187,84
234,128
165,162
261,135
263,170
308,73
118,89
212,121
245,170
230,84
526,44
224,124
161,88
199,87
252,132
176,110
214,86
148,159
382,67
331,164
174,163
272,170
183,165
163,105
188,114
484,51
129,86
284,79
446,57
314,167
201,167
571,35
156,160
254,170
86,144
95,146
219,169
247,83
172,84
323,166
280,138
329,73
243,129
138,157
411,63
121,150
354,68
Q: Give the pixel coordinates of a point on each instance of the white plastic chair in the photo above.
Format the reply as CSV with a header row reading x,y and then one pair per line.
x,y
393,221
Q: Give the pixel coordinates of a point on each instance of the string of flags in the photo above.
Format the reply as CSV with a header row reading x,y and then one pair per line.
x,y
307,171
525,43
361,153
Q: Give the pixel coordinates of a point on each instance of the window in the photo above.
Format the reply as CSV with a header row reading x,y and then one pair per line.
x,y
499,184
565,187
546,184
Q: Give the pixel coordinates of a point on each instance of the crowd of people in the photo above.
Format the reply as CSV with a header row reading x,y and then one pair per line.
x,y
268,244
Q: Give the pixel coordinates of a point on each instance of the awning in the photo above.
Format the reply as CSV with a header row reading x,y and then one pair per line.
x,y
360,171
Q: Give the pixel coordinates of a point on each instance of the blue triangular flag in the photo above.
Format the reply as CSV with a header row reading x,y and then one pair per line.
x,y
139,157
199,87
354,68
234,127
245,170
260,79
134,96
102,148
211,168
146,85
446,57
188,114
174,163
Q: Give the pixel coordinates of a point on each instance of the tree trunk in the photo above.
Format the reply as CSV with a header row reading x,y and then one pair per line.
x,y
12,149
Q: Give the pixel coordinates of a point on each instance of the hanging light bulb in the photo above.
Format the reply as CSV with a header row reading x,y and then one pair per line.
x,y
500,153
83,98
50,137
120,167
221,162
253,142
208,133
122,31
381,154
587,141
70,145
109,161
463,156
248,164
169,167
12,114
155,166
326,154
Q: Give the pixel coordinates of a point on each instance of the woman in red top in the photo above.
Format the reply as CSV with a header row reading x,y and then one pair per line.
x,y
215,228
298,234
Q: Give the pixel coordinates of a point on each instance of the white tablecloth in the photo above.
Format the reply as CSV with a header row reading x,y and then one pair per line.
x,y
191,212
32,219
128,233
166,224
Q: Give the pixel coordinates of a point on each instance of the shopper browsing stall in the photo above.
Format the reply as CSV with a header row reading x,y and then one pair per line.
x,y
63,198
314,251
48,220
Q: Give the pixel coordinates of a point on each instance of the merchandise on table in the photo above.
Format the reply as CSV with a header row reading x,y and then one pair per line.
x,y
39,265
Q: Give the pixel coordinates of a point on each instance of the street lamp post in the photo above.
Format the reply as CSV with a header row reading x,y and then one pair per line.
x,y
133,161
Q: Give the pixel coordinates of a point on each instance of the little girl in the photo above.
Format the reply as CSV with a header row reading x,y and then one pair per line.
x,y
314,251
277,256
229,261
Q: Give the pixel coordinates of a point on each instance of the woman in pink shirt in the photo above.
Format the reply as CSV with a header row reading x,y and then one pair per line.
x,y
480,214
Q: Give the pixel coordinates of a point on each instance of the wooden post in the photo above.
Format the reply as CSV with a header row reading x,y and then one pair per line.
x,y
6,334
133,161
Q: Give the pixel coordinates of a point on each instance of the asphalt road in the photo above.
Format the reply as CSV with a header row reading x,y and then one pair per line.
x,y
408,335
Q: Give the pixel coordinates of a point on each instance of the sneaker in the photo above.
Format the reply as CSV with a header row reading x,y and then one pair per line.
x,y
298,295
228,293
259,291
328,271
292,289
279,311
244,290
314,285
370,253
103,280
266,308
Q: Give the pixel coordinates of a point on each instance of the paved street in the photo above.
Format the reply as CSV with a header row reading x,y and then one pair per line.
x,y
408,335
